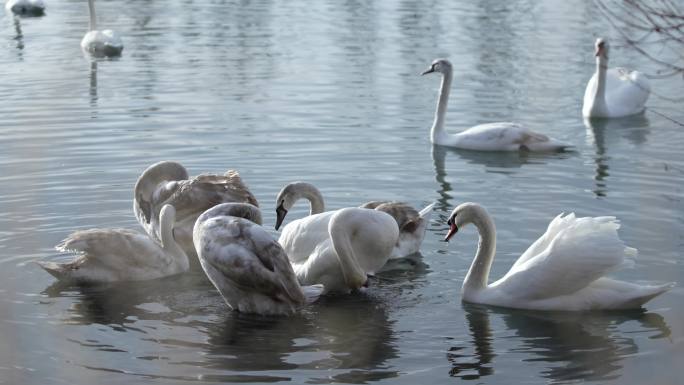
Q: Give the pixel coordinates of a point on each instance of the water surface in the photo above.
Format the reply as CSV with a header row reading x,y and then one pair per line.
x,y
328,92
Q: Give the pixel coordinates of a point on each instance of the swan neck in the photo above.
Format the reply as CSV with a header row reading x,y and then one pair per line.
x,y
478,274
92,25
354,275
315,199
440,114
600,95
170,246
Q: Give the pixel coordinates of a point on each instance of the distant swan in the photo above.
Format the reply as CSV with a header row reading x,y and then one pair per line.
x,y
412,224
100,43
26,7
562,270
109,255
168,182
615,92
245,264
502,136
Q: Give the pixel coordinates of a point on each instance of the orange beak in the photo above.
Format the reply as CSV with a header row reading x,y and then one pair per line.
x,y
453,229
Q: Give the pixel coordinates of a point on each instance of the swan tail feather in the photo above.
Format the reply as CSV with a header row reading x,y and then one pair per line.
x,y
57,270
313,292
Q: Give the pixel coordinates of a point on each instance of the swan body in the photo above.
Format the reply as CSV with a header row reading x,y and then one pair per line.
x,y
615,92
359,243
301,237
100,43
110,255
169,183
501,136
245,264
26,7
412,225
563,270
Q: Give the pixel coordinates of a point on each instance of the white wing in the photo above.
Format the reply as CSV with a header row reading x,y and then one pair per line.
x,y
626,91
505,136
582,251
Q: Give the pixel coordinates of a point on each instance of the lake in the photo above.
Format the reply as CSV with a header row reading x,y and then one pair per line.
x,y
329,92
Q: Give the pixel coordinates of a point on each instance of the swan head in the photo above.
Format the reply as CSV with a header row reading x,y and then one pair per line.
x,y
149,181
462,215
438,65
232,209
601,48
290,194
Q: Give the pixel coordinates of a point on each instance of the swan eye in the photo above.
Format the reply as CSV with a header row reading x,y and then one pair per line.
x,y
449,221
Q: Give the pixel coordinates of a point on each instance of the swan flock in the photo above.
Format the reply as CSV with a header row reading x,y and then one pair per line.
x,y
215,220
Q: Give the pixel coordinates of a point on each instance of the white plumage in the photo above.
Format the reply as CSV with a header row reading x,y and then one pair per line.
x,y
615,92
302,237
500,136
109,255
563,270
100,43
245,264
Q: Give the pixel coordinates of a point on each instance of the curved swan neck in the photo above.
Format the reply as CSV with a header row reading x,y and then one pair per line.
x,y
313,195
340,230
477,276
438,130
91,9
169,244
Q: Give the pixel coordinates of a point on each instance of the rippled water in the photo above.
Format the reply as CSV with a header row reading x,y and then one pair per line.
x,y
328,91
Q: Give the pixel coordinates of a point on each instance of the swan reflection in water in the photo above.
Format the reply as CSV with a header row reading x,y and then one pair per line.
x,y
193,334
494,162
573,345
605,133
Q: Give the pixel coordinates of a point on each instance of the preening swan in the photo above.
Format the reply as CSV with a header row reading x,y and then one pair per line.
x,y
412,224
562,270
169,183
26,7
336,248
100,43
501,136
109,255
245,264
615,92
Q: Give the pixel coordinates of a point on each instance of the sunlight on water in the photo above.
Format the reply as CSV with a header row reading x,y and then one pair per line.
x,y
328,92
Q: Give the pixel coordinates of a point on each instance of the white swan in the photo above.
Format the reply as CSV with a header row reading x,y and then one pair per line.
x,y
563,270
614,92
100,43
245,264
336,248
412,224
26,7
109,255
501,136
169,183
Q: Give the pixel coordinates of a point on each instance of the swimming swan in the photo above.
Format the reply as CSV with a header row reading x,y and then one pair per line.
x,y
168,182
100,43
245,264
337,248
615,92
501,136
26,7
412,224
563,270
109,255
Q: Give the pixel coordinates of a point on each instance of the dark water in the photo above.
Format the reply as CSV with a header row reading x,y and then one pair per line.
x,y
328,92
